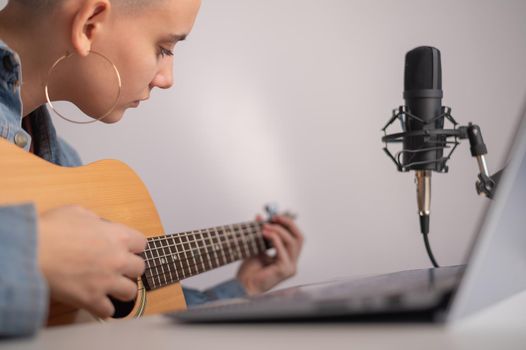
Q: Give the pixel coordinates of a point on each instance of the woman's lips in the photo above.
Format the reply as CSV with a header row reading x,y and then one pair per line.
x,y
136,103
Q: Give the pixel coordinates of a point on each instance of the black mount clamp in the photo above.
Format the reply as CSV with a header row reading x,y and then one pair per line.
x,y
486,184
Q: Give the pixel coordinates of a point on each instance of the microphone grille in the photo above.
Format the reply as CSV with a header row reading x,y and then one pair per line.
x,y
423,69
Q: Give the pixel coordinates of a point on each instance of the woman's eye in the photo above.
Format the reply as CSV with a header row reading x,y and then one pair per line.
x,y
165,52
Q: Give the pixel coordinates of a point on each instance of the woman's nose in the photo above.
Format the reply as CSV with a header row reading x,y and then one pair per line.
x,y
163,79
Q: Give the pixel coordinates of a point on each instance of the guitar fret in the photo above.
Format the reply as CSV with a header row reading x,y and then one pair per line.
x,y
236,241
243,232
179,253
156,270
225,238
159,259
191,252
196,251
172,258
185,249
212,256
166,255
200,251
193,265
204,252
215,246
219,246
155,253
150,279
253,240
175,257
260,238
205,248
244,239
167,259
193,246
210,243
231,238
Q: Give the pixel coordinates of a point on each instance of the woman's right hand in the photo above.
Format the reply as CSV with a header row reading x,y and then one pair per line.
x,y
86,259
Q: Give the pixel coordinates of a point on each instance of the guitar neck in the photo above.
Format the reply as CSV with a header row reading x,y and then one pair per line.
x,y
174,257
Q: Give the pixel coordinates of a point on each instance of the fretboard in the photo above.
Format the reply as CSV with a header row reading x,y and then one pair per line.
x,y
174,257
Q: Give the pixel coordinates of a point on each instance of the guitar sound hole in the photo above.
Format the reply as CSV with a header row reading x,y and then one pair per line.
x,y
122,308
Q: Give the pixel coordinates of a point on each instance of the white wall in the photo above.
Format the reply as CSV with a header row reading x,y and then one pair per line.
x,y
283,100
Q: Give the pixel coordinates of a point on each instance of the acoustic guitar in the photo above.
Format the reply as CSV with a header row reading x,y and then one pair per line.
x,y
113,191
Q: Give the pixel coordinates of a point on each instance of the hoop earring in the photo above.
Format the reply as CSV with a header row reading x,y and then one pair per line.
x,y
65,57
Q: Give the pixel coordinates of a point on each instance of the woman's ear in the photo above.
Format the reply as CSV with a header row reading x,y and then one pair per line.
x,y
88,22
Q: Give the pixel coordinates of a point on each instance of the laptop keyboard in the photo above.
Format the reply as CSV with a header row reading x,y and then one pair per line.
x,y
400,291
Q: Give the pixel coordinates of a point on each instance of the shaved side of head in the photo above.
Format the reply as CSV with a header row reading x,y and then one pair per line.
x,y
50,4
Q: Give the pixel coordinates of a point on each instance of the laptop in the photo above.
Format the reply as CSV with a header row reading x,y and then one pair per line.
x,y
495,270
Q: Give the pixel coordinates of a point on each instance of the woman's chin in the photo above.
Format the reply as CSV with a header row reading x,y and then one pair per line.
x,y
114,117
118,113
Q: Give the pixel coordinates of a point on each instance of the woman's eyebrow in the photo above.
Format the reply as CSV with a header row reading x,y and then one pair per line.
x,y
176,37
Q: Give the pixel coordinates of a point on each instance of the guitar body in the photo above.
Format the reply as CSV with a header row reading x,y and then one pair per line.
x,y
109,188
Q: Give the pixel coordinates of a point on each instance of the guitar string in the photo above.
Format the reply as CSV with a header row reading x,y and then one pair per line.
x,y
209,246
235,230
233,234
205,259
204,253
248,240
197,269
187,270
183,272
235,238
190,238
220,229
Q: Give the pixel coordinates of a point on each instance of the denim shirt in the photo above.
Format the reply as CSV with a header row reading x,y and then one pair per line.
x,y
24,295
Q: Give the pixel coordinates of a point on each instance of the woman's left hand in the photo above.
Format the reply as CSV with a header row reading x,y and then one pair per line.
x,y
260,273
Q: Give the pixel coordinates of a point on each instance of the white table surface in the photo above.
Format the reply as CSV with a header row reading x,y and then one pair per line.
x,y
502,326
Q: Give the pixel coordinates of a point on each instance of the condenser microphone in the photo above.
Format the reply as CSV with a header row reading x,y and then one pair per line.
x,y
426,145
423,147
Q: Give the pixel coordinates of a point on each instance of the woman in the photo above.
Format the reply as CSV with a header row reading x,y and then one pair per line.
x,y
104,56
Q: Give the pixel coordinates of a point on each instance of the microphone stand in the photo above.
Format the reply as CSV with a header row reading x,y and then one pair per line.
x,y
486,184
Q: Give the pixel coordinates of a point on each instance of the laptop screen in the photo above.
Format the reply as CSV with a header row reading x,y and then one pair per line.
x,y
497,260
